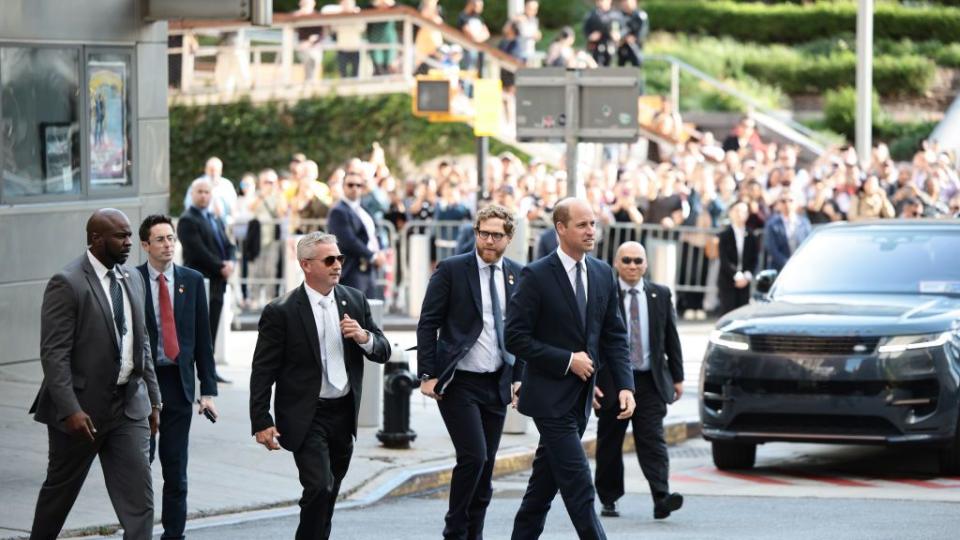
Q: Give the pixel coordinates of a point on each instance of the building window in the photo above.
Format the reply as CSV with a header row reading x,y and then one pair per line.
x,y
109,140
40,122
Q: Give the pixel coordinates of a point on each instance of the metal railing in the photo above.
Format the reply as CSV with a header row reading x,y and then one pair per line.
x,y
300,56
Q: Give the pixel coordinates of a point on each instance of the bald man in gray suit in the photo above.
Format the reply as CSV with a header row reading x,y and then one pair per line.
x,y
99,395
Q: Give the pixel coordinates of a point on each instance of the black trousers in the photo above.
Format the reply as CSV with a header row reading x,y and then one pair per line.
x,y
174,439
648,438
473,412
218,288
731,298
122,445
560,464
322,461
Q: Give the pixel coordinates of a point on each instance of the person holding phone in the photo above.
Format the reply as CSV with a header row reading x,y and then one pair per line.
x,y
179,328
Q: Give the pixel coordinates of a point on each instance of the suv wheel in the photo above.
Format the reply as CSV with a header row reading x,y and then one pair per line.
x,y
734,455
950,455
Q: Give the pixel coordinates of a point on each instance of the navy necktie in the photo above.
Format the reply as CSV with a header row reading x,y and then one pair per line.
x,y
581,295
116,298
498,317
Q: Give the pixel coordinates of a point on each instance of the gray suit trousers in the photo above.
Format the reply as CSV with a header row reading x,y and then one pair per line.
x,y
123,447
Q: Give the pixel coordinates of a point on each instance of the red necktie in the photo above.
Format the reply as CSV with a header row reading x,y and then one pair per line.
x,y
171,347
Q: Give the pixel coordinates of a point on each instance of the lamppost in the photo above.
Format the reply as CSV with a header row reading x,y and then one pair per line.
x,y
864,120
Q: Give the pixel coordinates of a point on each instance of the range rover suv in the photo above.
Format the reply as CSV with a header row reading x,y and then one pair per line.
x,y
856,341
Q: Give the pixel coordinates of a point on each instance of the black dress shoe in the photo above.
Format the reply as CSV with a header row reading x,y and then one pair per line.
x,y
221,380
609,510
663,507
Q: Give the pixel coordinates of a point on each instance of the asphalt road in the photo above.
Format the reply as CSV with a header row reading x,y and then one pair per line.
x,y
797,491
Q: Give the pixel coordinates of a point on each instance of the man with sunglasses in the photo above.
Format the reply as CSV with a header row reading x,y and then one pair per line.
x,y
657,362
784,232
356,233
311,345
464,365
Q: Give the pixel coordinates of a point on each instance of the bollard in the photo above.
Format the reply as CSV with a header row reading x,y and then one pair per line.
x,y
418,272
398,384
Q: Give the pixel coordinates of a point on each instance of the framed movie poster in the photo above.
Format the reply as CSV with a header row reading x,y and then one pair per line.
x,y
108,77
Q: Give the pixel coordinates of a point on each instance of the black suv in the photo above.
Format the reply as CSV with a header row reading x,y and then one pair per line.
x,y
856,341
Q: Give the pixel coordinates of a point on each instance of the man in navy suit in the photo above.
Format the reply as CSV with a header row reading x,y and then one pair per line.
x,y
657,362
563,320
784,232
467,368
206,248
356,234
179,329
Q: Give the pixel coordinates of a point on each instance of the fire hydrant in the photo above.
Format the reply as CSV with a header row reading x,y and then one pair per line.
x,y
398,384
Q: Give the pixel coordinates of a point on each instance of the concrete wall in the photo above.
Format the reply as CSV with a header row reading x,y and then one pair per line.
x,y
38,239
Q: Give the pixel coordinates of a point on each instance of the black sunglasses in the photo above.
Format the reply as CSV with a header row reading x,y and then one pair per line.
x,y
497,236
635,260
354,185
328,260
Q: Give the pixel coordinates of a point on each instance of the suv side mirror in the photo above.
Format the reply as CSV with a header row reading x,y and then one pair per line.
x,y
765,281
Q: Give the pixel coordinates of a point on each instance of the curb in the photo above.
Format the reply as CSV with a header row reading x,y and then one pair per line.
x,y
403,484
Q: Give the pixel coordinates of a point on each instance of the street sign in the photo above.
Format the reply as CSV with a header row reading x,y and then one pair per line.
x,y
540,104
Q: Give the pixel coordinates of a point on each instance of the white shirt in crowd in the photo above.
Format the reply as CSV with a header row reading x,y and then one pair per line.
x,y
372,243
484,356
317,300
644,322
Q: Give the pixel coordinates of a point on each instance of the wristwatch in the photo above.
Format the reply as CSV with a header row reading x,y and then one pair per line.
x,y
425,377
158,407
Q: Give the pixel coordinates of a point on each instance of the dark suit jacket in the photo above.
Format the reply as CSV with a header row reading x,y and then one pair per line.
x,y
666,357
729,259
453,307
544,328
547,243
200,249
79,349
193,329
352,238
288,355
775,241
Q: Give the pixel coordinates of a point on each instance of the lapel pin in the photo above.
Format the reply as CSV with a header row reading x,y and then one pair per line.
x,y
343,302
653,295
180,289
510,279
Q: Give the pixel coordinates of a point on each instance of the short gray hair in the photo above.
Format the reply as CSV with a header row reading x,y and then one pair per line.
x,y
305,245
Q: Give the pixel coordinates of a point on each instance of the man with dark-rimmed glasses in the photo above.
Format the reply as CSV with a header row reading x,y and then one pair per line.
x,y
463,363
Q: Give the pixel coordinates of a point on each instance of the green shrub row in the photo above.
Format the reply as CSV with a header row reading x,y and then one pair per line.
x,y
793,23
892,75
903,138
329,130
793,70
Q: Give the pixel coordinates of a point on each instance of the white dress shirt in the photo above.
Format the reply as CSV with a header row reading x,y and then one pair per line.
x,y
327,390
644,319
373,244
126,342
161,359
484,356
570,266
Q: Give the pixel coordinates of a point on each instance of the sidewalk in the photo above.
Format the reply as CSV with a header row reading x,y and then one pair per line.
x,y
230,474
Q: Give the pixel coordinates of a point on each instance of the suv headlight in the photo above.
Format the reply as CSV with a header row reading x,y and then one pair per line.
x,y
897,344
730,340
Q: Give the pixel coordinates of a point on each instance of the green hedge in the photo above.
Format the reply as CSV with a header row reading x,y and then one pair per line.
x,y
792,23
329,130
903,138
892,75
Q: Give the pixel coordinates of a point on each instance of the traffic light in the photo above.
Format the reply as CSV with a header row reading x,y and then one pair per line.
x,y
431,96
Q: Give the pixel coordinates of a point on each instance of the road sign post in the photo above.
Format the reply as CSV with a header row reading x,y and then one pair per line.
x,y
573,106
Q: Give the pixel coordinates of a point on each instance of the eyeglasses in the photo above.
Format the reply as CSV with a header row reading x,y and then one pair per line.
x,y
329,259
353,185
634,260
484,235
